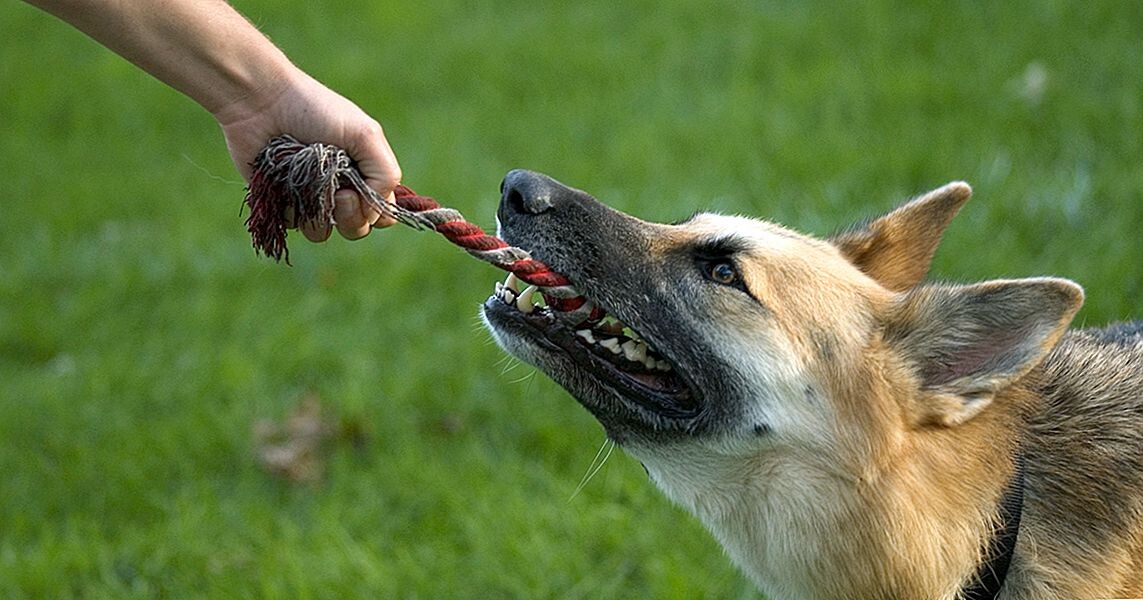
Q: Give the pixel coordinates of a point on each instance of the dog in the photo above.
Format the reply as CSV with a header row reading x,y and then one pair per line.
x,y
843,428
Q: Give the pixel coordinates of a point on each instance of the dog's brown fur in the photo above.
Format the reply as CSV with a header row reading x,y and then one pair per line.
x,y
886,414
1077,416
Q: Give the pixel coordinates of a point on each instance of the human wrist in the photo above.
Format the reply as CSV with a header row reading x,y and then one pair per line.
x,y
254,83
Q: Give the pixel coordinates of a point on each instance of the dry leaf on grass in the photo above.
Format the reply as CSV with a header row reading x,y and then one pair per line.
x,y
296,449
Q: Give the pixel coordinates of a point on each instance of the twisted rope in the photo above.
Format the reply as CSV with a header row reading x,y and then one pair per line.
x,y
299,180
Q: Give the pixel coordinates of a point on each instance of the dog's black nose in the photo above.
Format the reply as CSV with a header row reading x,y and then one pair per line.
x,y
528,192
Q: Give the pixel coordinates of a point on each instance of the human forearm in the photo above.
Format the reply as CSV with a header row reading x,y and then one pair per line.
x,y
208,51
203,48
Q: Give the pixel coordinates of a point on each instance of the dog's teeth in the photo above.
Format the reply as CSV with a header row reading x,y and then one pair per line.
x,y
586,335
612,345
649,362
662,365
499,293
634,351
640,352
512,282
524,300
505,294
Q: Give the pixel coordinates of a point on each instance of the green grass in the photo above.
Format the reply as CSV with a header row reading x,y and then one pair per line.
x,y
141,340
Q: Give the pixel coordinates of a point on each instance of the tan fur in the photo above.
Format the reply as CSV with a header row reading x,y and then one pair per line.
x,y
921,507
893,411
897,248
927,474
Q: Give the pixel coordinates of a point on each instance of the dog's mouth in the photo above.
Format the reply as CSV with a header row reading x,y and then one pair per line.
x,y
610,352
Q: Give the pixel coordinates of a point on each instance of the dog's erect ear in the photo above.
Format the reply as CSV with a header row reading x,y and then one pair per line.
x,y
966,343
896,249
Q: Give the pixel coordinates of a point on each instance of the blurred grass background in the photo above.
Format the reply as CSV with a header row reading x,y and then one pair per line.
x,y
141,341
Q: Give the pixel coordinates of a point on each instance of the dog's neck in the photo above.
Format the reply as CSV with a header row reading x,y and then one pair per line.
x,y
802,525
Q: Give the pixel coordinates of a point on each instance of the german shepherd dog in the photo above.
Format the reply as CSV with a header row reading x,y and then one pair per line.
x,y
844,429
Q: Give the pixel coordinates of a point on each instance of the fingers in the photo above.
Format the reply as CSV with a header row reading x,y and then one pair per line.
x,y
381,221
384,221
376,161
355,218
375,157
315,232
378,164
348,214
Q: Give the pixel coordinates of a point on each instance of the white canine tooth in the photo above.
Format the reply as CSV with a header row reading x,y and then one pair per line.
x,y
512,282
612,344
649,362
586,335
524,301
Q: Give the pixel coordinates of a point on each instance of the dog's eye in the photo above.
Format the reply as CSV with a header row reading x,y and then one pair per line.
x,y
722,272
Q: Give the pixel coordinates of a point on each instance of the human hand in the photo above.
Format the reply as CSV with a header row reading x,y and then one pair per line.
x,y
307,110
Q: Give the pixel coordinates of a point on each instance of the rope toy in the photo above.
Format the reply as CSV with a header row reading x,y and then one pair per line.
x,y
292,177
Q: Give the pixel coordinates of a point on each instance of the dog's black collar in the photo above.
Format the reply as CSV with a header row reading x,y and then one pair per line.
x,y
990,576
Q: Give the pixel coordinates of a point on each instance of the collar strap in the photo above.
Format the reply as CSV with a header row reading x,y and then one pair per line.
x,y
990,575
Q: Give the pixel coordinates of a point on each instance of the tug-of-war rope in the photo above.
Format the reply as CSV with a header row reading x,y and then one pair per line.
x,y
289,176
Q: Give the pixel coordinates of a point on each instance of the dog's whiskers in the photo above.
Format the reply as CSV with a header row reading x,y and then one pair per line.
x,y
529,377
596,464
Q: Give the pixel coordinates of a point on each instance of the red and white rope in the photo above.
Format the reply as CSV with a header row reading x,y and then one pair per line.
x,y
303,177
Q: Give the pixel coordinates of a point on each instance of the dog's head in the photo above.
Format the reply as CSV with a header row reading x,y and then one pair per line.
x,y
738,336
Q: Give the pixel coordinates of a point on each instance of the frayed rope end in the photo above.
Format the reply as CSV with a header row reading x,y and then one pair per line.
x,y
295,182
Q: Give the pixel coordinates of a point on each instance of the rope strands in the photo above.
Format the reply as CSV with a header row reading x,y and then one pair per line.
x,y
292,179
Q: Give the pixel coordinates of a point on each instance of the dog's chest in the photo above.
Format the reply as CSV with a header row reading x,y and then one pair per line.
x,y
798,533
771,524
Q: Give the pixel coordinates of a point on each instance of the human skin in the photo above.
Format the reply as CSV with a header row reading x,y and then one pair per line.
x,y
208,51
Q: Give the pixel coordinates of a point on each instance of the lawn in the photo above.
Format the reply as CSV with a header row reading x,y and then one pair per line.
x,y
143,345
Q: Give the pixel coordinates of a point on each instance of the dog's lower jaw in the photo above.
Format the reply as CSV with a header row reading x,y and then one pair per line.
x,y
629,404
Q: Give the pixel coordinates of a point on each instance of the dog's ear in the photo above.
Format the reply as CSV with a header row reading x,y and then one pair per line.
x,y
966,343
897,249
